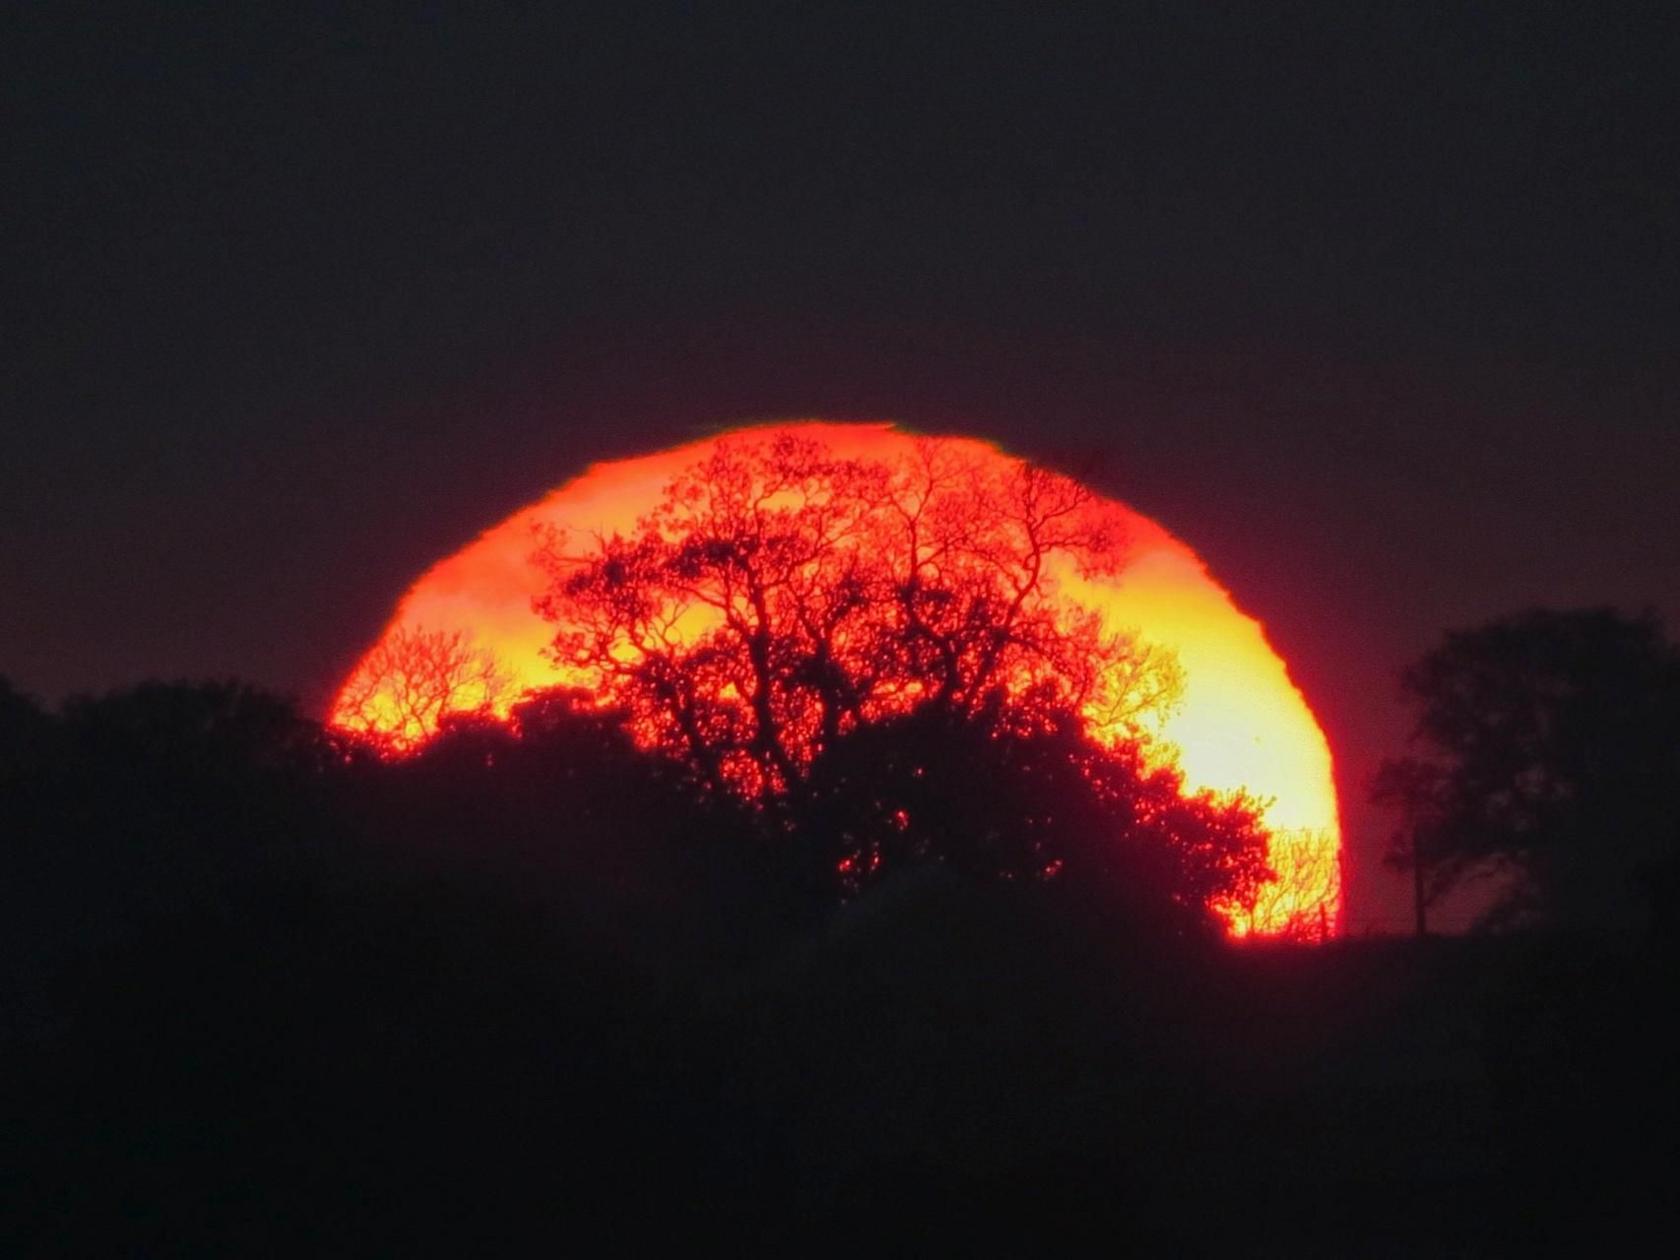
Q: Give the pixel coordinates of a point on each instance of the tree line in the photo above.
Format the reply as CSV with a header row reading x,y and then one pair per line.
x,y
265,985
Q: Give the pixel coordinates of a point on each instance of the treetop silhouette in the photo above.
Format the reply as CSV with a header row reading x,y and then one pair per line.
x,y
779,597
877,653
1547,746
403,688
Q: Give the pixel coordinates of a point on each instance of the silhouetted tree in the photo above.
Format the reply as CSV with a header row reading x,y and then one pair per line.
x,y
781,596
147,800
1032,796
878,654
559,801
1547,748
192,728
1303,864
403,688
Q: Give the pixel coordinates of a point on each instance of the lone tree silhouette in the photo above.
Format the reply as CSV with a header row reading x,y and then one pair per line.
x,y
404,687
1547,747
780,596
876,653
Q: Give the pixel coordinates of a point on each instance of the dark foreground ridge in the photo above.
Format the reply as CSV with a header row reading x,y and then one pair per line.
x,y
253,1010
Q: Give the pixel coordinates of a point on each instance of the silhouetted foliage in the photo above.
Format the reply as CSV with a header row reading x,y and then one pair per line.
x,y
781,596
876,654
140,802
1548,748
413,678
205,730
561,798
516,992
1004,793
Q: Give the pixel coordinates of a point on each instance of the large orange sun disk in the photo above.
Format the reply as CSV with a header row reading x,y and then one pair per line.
x,y
1241,723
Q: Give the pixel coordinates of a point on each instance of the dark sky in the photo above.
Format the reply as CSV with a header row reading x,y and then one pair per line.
x,y
1376,306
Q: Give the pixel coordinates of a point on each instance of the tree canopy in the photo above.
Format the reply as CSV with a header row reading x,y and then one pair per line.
x,y
877,653
780,596
1033,796
1546,747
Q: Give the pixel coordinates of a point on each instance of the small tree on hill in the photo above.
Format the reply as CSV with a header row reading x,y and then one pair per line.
x,y
1547,749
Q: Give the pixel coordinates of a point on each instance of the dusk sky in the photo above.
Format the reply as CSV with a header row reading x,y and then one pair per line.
x,y
1377,307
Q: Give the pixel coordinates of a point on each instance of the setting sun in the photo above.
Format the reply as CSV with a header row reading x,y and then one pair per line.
x,y
468,636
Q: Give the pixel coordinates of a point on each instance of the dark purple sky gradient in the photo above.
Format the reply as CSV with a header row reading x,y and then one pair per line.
x,y
1377,307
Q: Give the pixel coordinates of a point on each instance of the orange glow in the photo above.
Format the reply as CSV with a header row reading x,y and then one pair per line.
x,y
1239,723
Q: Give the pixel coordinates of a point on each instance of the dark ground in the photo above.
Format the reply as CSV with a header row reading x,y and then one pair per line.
x,y
258,1005
391,1065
